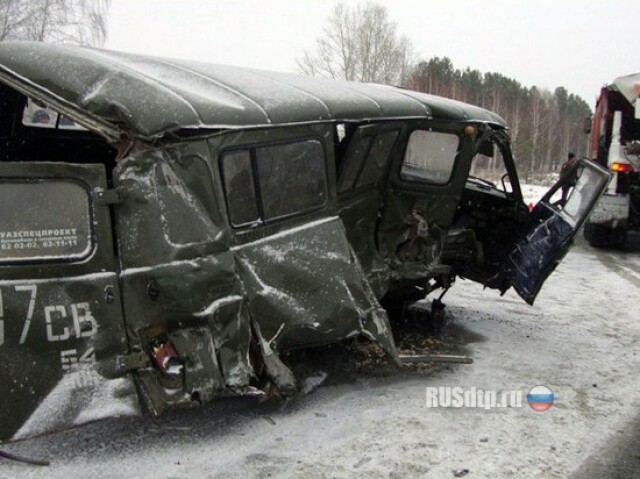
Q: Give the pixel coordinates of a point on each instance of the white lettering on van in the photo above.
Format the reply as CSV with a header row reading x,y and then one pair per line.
x,y
82,324
49,311
32,289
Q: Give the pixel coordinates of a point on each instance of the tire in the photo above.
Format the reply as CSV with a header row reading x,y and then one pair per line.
x,y
600,236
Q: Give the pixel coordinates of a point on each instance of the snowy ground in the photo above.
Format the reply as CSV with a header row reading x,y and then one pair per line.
x,y
580,339
532,193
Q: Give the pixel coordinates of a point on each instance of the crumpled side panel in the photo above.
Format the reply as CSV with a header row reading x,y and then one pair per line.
x,y
179,281
306,288
199,305
170,207
360,216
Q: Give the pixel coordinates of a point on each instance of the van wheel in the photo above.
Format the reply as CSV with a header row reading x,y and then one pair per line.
x,y
600,236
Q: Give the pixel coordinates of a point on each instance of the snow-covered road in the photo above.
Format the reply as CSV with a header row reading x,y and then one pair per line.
x,y
580,339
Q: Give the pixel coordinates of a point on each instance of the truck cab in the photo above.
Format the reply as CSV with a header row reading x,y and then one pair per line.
x,y
615,144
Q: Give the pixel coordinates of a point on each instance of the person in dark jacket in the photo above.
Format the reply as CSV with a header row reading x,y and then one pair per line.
x,y
564,171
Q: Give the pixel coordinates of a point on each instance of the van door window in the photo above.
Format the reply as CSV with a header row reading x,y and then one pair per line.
x,y
581,195
376,163
354,165
430,157
368,160
44,220
240,188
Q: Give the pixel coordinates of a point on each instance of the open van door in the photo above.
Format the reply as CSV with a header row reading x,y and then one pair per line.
x,y
549,230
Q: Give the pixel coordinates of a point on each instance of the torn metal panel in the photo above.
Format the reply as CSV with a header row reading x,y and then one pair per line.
x,y
171,207
183,285
277,371
360,213
305,288
435,205
198,305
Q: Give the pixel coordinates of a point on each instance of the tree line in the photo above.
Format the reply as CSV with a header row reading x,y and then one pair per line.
x,y
545,126
361,43
82,22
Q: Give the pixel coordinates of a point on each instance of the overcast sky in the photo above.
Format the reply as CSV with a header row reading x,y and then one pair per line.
x,y
579,44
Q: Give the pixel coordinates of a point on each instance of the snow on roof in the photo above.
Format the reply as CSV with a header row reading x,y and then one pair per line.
x,y
628,85
149,96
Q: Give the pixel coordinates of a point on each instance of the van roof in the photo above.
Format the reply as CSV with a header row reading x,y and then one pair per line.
x,y
150,96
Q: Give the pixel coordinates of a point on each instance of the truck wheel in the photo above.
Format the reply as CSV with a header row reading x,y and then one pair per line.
x,y
600,236
619,238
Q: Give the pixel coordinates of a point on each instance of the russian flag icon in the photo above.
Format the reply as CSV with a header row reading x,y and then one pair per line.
x,y
540,398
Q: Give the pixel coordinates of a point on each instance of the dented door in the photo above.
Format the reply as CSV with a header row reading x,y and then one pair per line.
x,y
305,287
550,229
422,198
302,280
362,178
60,312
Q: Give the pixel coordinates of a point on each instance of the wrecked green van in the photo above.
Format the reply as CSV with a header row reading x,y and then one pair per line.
x,y
168,229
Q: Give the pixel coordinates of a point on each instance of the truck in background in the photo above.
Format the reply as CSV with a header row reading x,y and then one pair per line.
x,y
615,143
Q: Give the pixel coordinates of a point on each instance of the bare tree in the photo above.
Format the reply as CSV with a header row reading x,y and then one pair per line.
x,y
64,21
360,44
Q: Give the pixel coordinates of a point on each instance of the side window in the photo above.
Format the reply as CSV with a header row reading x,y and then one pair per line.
x,y
354,163
430,157
368,160
47,220
376,163
291,179
239,187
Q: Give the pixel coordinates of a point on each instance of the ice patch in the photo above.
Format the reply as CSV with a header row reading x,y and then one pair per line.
x,y
313,381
